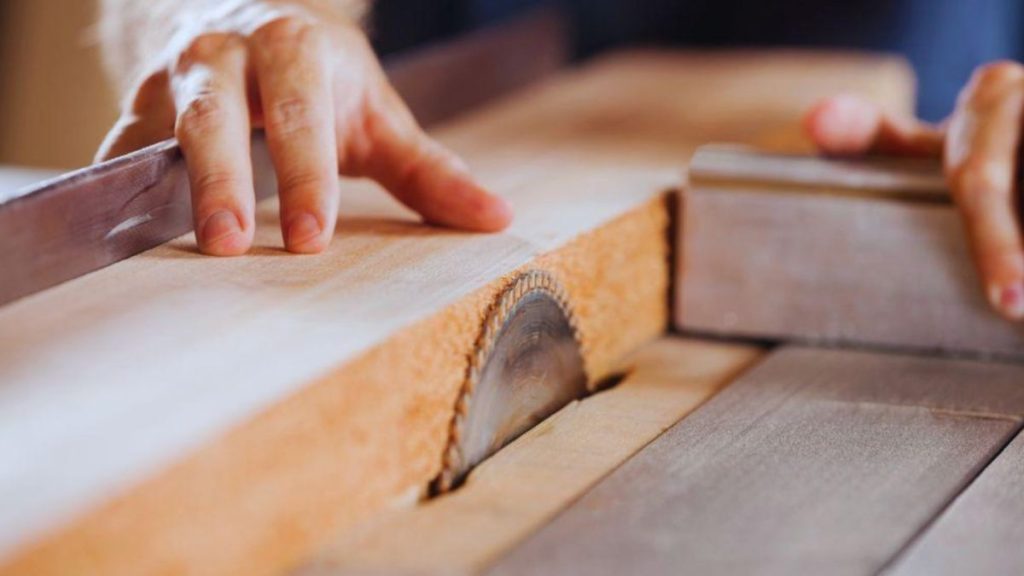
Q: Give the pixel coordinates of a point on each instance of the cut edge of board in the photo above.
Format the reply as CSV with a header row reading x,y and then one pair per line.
x,y
271,489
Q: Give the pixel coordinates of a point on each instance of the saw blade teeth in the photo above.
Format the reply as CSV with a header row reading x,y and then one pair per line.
x,y
463,407
525,284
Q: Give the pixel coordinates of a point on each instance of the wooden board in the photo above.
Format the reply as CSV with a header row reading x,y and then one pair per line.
x,y
868,262
982,531
524,485
815,461
179,413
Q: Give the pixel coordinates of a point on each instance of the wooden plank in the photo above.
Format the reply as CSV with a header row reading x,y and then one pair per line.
x,y
524,485
815,461
982,531
229,416
862,264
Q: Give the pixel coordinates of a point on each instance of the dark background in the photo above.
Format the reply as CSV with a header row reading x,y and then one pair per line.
x,y
943,39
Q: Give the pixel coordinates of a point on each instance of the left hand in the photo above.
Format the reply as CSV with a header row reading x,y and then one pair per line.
x,y
979,146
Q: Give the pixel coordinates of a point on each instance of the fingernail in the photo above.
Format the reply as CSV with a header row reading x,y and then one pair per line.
x,y
1009,300
219,226
302,229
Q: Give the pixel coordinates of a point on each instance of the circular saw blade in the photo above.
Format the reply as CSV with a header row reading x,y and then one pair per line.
x,y
527,366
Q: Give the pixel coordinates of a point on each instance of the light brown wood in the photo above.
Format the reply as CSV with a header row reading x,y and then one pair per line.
x,y
796,254
175,413
527,483
815,461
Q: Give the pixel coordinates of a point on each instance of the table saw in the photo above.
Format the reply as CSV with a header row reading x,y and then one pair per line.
x,y
652,371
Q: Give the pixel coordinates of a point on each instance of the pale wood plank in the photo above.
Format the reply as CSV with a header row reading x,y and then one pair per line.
x,y
780,259
813,462
524,485
981,533
226,416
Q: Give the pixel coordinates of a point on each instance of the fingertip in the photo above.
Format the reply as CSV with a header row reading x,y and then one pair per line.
x,y
1008,300
304,234
496,215
222,234
472,208
843,125
1003,272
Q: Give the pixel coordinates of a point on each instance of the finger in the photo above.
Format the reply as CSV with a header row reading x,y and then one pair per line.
x,y
429,178
849,125
298,115
213,131
149,119
981,165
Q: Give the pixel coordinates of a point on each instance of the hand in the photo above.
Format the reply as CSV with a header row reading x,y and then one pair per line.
x,y
979,146
312,81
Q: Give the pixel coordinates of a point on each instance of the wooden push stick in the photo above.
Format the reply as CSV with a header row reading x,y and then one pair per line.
x,y
841,252
175,413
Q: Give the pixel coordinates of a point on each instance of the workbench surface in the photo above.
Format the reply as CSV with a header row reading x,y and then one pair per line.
x,y
178,414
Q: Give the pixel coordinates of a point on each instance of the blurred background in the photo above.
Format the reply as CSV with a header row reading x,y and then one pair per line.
x,y
55,104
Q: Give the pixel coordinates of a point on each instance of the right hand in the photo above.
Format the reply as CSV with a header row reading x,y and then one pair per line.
x,y
979,144
312,81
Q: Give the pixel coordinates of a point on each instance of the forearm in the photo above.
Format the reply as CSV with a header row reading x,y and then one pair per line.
x,y
134,33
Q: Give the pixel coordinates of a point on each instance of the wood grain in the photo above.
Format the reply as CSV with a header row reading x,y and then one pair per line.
x,y
524,485
862,265
815,461
228,416
981,532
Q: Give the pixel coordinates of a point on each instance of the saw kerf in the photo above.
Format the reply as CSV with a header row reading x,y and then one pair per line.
x,y
528,364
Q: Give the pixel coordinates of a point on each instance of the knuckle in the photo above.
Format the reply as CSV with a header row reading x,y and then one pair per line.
x,y
204,114
216,187
975,181
290,116
206,47
308,182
